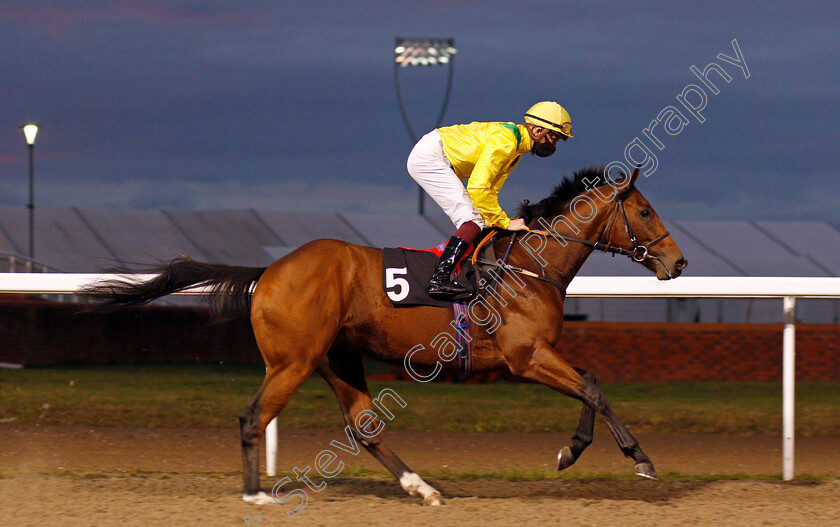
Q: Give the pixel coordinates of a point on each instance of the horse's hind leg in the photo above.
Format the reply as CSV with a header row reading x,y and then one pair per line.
x,y
584,433
344,372
279,385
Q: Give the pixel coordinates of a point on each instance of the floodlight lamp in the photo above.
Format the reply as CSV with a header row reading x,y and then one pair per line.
x,y
423,52
30,131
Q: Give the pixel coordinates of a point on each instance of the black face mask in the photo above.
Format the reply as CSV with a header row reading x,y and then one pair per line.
x,y
544,149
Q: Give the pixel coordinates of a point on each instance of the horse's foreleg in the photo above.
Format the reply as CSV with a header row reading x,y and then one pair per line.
x,y
626,442
548,368
345,375
278,387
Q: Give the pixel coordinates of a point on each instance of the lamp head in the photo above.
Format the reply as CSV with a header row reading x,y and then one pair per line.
x,y
30,131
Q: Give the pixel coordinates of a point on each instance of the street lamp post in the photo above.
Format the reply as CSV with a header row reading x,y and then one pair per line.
x,y
423,52
30,131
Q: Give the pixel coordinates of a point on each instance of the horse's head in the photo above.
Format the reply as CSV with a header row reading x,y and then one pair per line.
x,y
637,227
613,215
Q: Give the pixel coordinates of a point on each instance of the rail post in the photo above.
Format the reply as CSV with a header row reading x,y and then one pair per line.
x,y
788,385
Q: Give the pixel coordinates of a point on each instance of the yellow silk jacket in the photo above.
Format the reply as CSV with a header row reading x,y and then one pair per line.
x,y
485,154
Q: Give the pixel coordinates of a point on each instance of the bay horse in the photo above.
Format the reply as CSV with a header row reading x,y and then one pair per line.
x,y
322,308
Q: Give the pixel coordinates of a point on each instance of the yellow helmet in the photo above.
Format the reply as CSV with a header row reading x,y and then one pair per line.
x,y
551,115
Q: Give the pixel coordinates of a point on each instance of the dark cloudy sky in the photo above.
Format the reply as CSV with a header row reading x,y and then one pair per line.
x,y
288,104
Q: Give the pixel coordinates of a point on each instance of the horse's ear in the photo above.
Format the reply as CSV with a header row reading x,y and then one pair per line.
x,y
628,183
635,175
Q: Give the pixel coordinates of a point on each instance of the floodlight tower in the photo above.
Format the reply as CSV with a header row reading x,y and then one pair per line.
x,y
423,52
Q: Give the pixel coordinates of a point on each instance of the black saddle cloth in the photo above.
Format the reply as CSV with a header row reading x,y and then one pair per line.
x,y
406,273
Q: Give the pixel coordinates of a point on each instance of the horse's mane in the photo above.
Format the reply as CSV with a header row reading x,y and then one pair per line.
x,y
571,187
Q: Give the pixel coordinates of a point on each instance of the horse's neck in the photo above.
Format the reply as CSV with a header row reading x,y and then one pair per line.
x,y
564,261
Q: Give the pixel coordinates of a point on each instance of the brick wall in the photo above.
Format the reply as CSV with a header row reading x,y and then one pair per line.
x,y
627,352
43,333
39,333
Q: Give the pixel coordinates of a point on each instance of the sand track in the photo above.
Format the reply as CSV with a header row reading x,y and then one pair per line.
x,y
82,476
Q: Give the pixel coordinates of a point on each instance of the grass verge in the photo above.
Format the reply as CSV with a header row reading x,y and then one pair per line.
x,y
211,396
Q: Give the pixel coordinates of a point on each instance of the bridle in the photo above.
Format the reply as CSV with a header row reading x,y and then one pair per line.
x,y
639,253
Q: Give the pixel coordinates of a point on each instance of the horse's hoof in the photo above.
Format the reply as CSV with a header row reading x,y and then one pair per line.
x,y
260,498
646,470
565,459
434,500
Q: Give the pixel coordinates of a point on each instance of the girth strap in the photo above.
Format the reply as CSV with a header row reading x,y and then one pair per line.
x,y
462,332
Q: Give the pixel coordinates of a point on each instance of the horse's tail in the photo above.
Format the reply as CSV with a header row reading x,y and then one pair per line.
x,y
230,286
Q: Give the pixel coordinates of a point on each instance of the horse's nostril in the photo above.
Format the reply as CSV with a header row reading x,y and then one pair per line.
x,y
681,264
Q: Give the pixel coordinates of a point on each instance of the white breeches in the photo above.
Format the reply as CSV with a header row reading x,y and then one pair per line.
x,y
429,167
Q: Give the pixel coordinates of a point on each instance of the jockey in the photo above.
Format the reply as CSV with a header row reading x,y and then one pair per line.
x,y
484,154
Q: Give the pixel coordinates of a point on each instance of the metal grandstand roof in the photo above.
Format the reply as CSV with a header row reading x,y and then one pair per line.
x,y
136,237
13,230
819,242
297,228
394,231
748,249
234,237
61,236
64,237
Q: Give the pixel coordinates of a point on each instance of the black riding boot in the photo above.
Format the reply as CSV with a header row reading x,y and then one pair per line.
x,y
441,286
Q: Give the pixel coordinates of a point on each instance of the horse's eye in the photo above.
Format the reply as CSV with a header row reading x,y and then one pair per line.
x,y
644,213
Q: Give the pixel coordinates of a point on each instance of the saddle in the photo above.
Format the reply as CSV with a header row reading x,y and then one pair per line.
x,y
406,272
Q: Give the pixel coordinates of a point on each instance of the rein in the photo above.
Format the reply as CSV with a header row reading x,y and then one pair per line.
x,y
639,253
525,272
